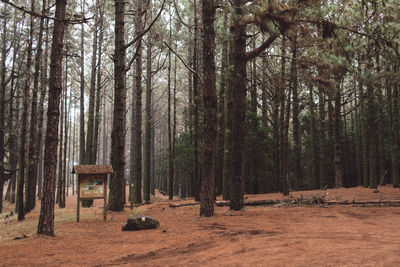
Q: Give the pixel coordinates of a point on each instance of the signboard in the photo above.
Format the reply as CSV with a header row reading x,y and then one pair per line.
x,y
92,184
91,187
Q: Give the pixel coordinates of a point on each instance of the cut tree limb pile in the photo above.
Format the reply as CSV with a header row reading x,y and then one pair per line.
x,y
318,199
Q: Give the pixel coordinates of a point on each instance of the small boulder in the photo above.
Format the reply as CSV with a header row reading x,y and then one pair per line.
x,y
140,222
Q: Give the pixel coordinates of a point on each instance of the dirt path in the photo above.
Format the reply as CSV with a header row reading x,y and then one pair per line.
x,y
263,236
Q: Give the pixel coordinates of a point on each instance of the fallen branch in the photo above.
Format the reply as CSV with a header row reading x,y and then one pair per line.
x,y
366,202
172,205
311,201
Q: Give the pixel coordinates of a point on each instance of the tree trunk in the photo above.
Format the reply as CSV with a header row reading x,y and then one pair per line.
x,y
170,152
196,99
315,164
117,182
60,151
98,89
298,170
90,126
210,110
82,96
13,117
372,132
148,130
238,76
138,108
395,129
2,105
219,159
43,92
338,134
46,219
24,127
284,188
30,194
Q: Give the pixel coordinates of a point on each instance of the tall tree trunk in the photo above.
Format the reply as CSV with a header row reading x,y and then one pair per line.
x,y
30,194
175,180
170,152
210,109
196,99
372,132
60,155
82,96
238,76
285,144
138,108
315,164
284,188
190,178
148,130
298,171
98,88
13,117
43,92
322,135
66,112
90,126
338,134
153,158
381,122
219,159
2,105
132,144
24,128
395,129
46,219
117,182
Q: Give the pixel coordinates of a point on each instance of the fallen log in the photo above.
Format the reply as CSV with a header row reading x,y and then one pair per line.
x,y
365,202
221,203
172,205
309,202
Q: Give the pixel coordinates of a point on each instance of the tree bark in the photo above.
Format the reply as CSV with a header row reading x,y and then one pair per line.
x,y
117,182
210,110
43,92
2,105
46,219
138,108
30,194
148,130
98,88
238,76
219,159
170,152
24,128
196,100
298,170
82,96
338,134
90,125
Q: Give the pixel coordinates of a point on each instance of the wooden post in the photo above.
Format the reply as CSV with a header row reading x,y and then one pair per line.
x,y
78,200
105,196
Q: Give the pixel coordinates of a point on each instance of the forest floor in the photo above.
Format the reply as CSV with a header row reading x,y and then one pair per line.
x,y
256,236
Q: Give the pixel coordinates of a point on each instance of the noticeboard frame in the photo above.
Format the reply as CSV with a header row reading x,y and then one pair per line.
x,y
104,177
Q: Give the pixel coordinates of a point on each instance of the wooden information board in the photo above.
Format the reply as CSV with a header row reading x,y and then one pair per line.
x,y
92,187
92,184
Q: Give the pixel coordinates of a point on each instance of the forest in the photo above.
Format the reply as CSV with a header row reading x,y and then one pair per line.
x,y
199,99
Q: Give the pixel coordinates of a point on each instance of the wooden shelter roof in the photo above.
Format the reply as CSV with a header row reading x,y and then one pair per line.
x,y
92,169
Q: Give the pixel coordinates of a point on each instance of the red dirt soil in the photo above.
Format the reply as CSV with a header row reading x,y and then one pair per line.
x,y
255,236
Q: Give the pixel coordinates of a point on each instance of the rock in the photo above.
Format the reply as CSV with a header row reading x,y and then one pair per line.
x,y
140,222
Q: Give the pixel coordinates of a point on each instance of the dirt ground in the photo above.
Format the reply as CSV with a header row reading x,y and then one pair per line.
x,y
255,236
